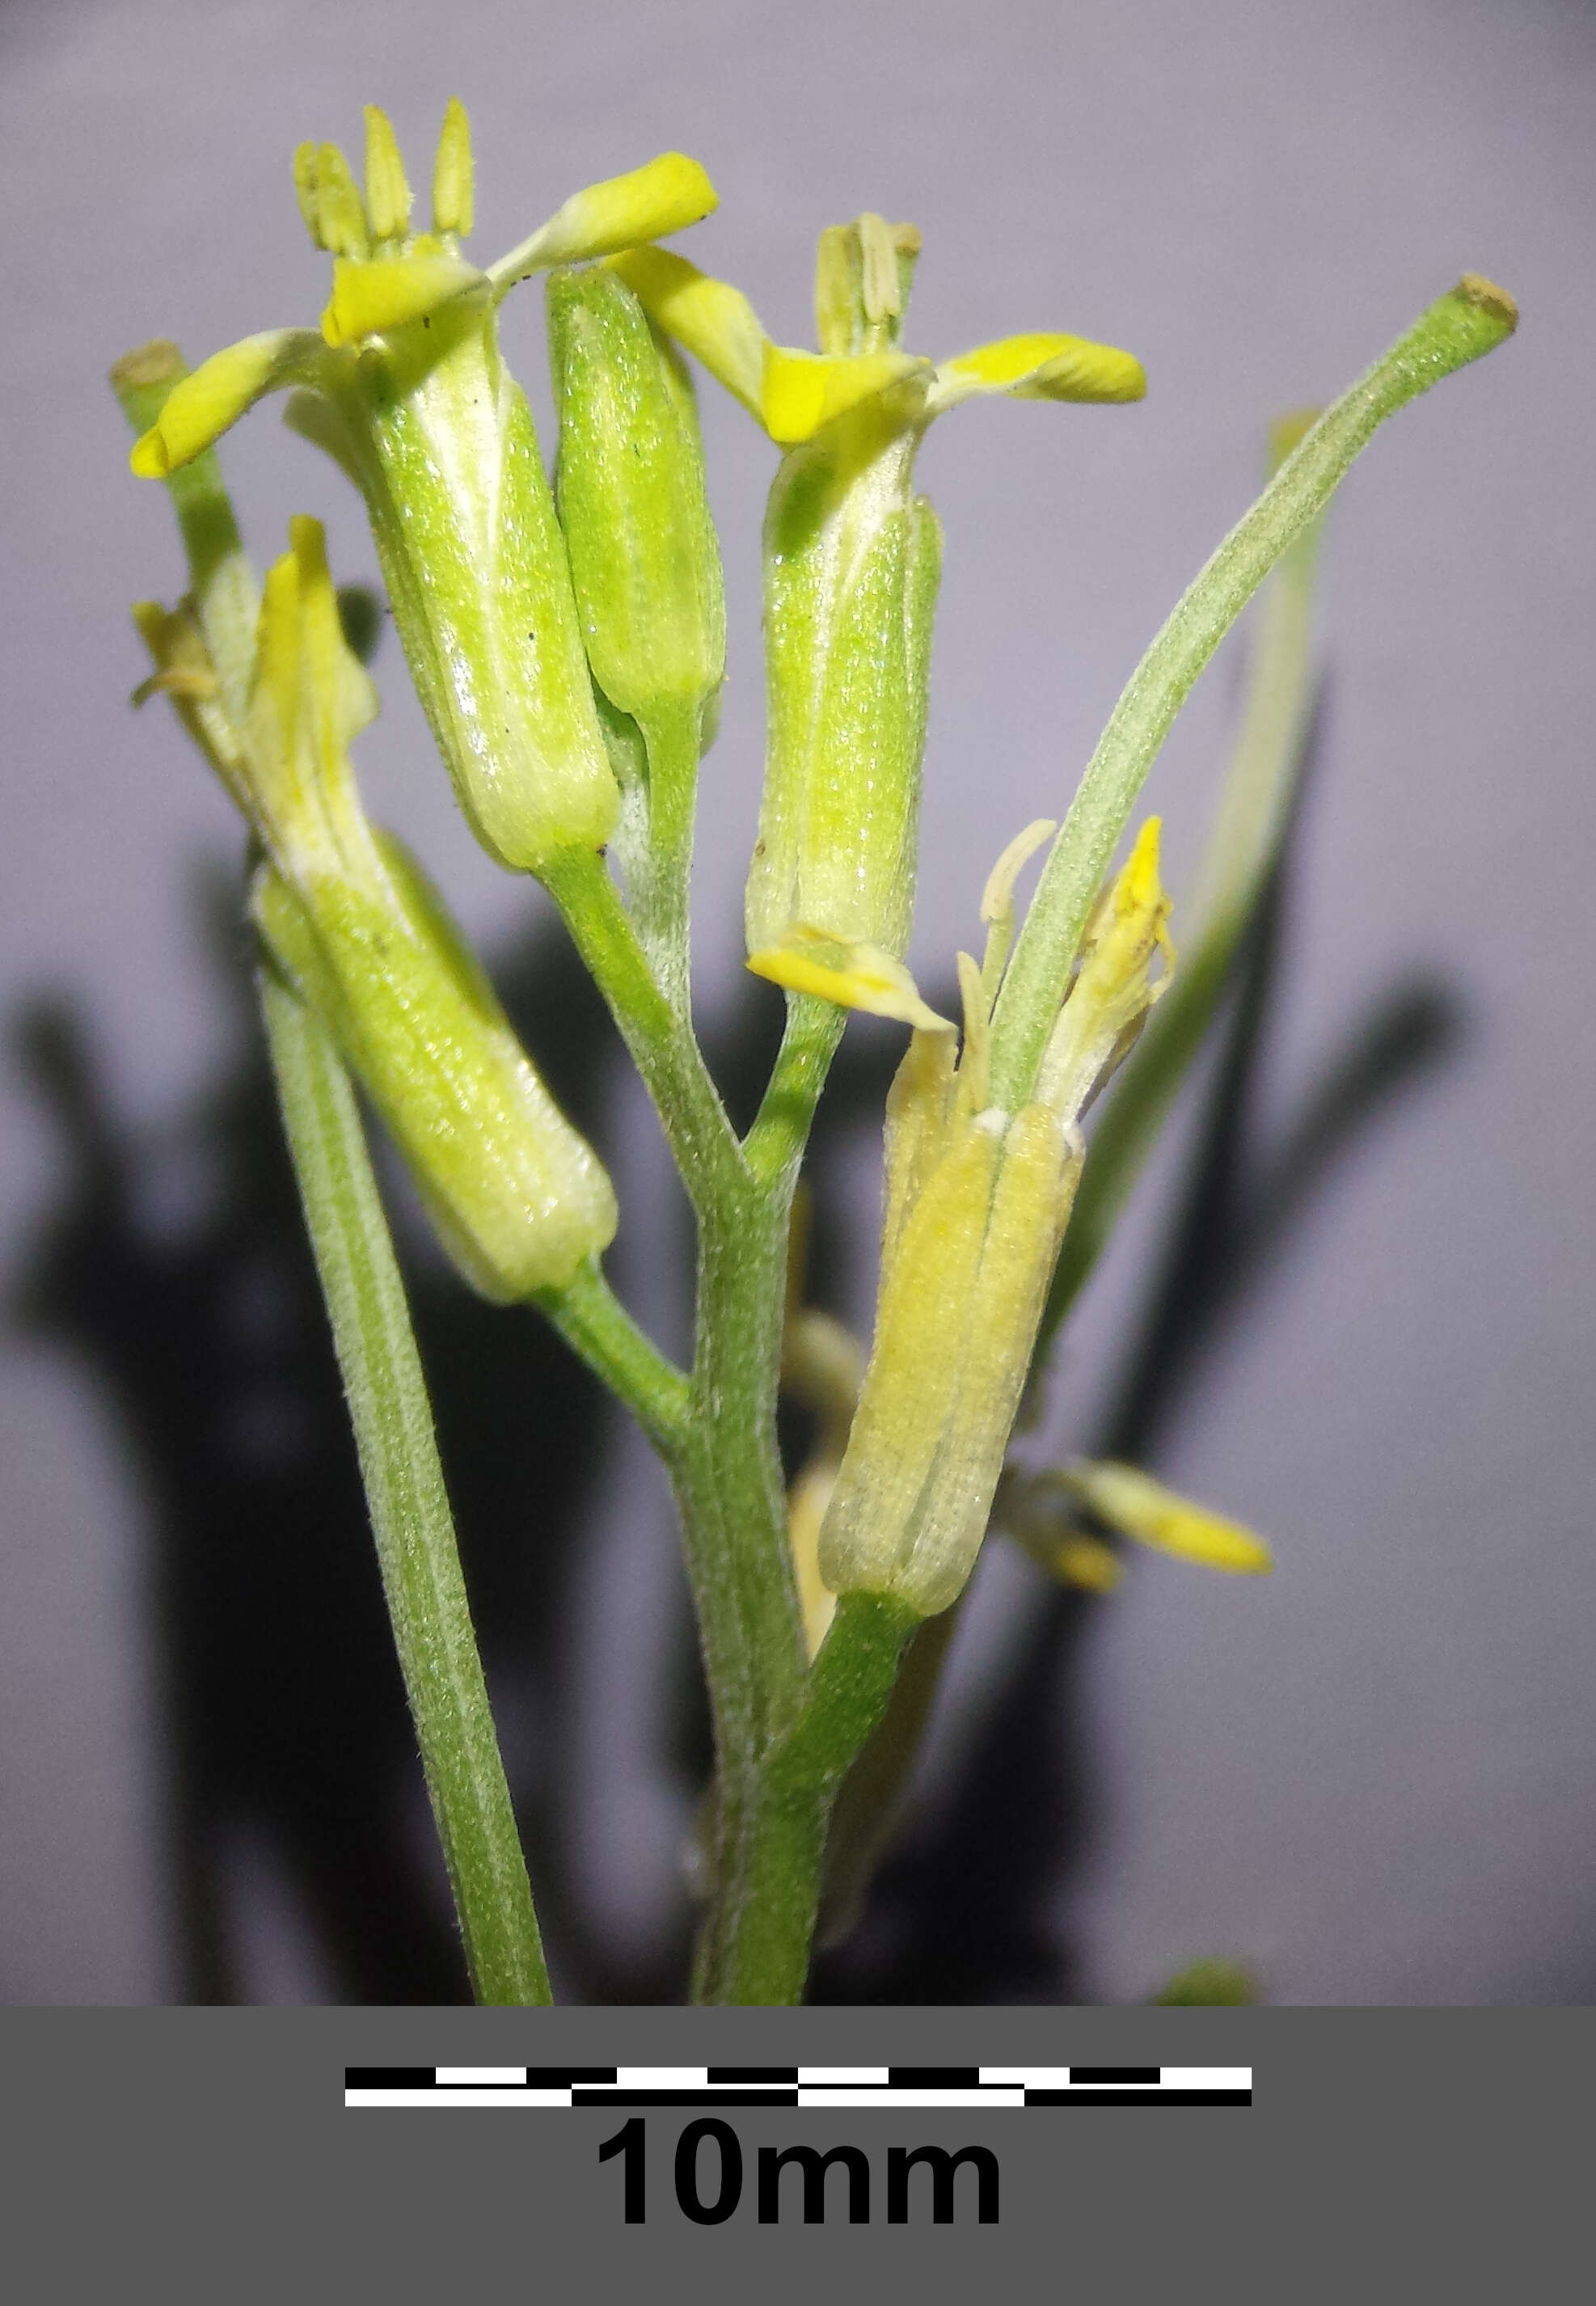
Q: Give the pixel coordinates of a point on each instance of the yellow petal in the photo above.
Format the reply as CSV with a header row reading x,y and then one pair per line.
x,y
199,409
661,197
389,291
1135,1504
1039,367
853,976
708,318
800,391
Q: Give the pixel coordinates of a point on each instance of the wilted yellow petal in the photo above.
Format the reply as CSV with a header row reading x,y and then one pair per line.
x,y
1039,367
708,318
389,291
1112,989
853,976
1141,1508
199,409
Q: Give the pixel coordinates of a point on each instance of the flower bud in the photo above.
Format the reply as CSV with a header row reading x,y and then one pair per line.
x,y
645,560
852,560
960,1304
518,1198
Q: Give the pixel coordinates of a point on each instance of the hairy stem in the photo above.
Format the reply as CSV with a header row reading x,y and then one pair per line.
x,y
417,1552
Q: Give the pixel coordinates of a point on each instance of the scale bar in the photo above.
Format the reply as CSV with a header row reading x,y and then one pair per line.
x,y
865,2087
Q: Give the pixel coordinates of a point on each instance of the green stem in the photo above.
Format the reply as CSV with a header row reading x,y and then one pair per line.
x,y
1460,326
775,1145
662,897
761,1951
416,1550
598,1327
660,1037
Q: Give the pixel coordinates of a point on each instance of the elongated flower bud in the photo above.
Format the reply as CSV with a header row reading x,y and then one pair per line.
x,y
518,1198
960,1304
632,503
852,563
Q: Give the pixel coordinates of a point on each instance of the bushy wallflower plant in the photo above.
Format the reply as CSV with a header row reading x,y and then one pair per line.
x,y
566,639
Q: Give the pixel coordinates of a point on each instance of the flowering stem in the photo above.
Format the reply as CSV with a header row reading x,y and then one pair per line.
x,y
721,1453
657,1033
416,1550
1458,328
598,1327
672,741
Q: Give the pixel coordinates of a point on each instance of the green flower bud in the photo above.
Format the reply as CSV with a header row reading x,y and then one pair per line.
x,y
643,555
852,562
518,1198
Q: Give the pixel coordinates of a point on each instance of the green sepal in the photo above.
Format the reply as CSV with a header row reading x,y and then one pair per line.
x,y
852,563
518,1198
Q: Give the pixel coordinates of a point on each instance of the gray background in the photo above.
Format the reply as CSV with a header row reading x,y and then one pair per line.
x,y
1372,1776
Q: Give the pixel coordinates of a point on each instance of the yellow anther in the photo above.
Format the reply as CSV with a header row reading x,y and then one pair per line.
x,y
304,191
879,286
341,224
453,179
387,190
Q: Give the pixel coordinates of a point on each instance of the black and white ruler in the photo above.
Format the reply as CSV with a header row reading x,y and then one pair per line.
x,y
705,2086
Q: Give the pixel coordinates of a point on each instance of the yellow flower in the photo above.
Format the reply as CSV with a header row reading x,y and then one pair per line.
x,y
403,385
862,280
852,563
